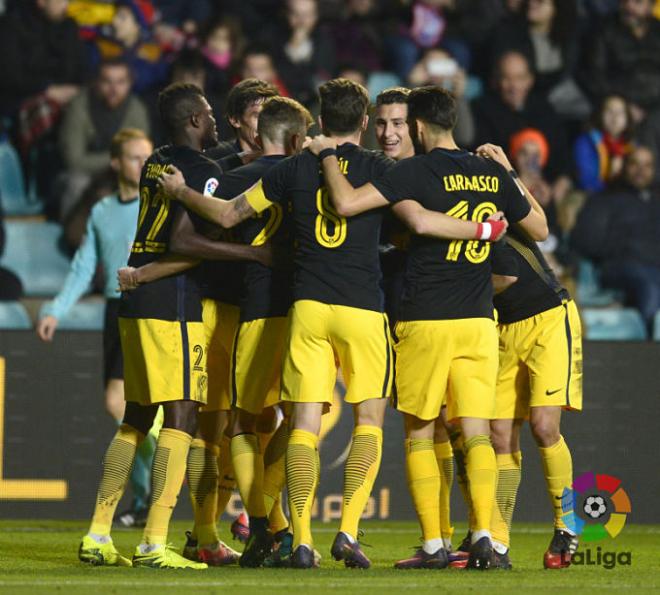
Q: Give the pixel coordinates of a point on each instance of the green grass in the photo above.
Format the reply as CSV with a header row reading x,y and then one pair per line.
x,y
40,557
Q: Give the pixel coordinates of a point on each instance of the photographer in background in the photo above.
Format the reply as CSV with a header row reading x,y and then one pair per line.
x,y
438,67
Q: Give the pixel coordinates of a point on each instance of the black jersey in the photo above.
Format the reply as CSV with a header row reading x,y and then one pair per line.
x,y
451,279
176,297
221,280
336,258
536,290
266,292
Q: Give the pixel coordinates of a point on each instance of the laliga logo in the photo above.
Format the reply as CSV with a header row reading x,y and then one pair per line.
x,y
596,507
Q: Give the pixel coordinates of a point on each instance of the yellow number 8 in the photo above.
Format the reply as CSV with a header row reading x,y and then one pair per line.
x,y
327,216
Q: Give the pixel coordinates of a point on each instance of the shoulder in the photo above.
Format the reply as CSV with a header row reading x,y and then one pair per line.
x,y
101,208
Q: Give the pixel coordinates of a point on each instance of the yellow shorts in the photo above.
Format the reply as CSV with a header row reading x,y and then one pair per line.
x,y
256,367
456,359
163,360
220,326
324,336
540,363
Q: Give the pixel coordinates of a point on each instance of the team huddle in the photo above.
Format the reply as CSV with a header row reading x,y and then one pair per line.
x,y
253,278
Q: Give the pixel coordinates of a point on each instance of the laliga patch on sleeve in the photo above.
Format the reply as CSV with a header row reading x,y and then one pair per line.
x,y
210,186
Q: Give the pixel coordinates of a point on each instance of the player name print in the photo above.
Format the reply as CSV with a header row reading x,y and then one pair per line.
x,y
458,182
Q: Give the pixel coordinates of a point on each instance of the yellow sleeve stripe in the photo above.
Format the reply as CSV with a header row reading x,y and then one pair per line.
x,y
256,197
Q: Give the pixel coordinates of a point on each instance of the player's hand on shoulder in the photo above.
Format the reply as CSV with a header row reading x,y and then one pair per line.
x,y
496,153
500,225
127,278
46,328
321,142
172,182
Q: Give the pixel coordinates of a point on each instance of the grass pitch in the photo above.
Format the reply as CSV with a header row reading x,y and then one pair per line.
x,y
40,557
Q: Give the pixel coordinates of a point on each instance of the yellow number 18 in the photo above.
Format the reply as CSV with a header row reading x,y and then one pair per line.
x,y
475,251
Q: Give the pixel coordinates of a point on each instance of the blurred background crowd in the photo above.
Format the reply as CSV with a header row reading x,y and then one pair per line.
x,y
570,89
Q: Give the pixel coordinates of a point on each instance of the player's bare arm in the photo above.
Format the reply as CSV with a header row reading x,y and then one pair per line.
x,y
502,282
348,201
431,223
226,213
129,278
187,241
536,223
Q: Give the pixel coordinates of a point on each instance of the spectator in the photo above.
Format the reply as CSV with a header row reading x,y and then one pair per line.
x,y
91,121
258,64
625,57
180,17
599,152
222,47
357,35
41,55
307,55
618,228
513,106
130,38
437,67
546,35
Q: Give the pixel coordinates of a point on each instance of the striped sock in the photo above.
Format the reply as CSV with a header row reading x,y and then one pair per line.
x,y
302,471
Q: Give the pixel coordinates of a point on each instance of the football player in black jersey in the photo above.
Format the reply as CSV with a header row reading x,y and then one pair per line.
x,y
446,339
162,341
337,309
540,374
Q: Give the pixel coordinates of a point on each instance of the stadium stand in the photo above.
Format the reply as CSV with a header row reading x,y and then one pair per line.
x,y
83,316
590,294
613,324
15,199
14,316
32,253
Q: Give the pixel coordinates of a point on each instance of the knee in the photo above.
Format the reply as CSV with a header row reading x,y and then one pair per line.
x,y
182,416
545,431
139,417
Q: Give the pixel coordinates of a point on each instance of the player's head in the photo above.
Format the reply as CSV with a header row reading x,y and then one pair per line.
x,y
129,149
185,113
284,122
344,107
391,127
244,104
431,115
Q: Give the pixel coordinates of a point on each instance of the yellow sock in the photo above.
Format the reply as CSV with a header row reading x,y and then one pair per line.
x,y
359,475
117,465
558,469
202,473
248,465
508,480
274,468
456,439
277,520
444,456
226,478
302,479
482,476
166,478
424,485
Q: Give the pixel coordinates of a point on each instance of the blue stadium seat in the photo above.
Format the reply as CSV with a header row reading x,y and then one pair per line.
x,y
15,200
14,316
379,81
589,291
656,327
32,252
87,315
613,324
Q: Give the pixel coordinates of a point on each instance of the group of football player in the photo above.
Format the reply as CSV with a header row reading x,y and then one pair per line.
x,y
261,267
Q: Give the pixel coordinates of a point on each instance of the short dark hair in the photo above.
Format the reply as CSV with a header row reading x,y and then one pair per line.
x,y
343,105
189,60
112,62
176,103
392,95
282,116
245,93
433,105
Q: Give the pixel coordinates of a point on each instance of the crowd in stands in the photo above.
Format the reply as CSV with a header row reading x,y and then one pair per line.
x,y
570,89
